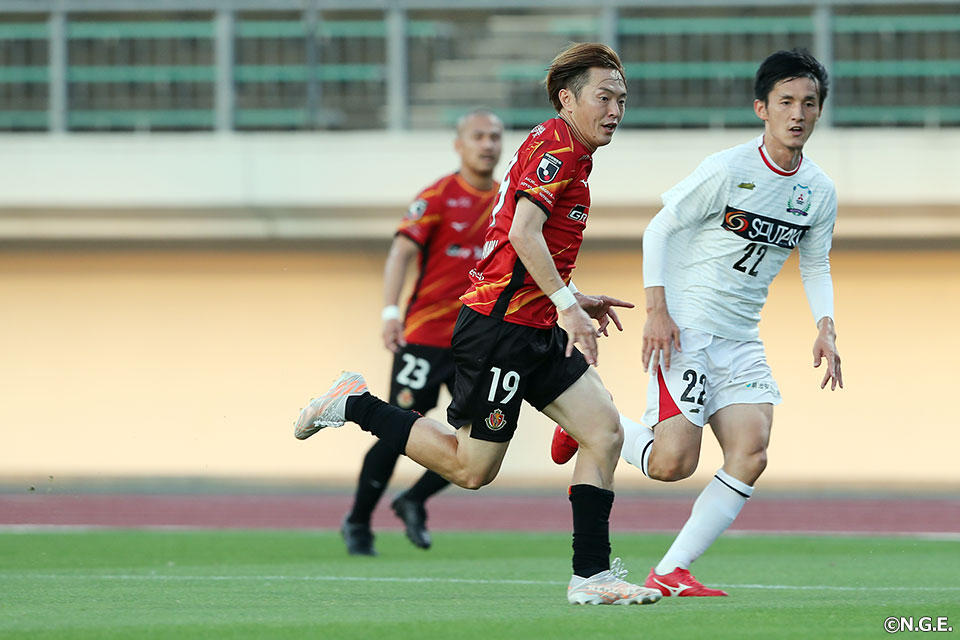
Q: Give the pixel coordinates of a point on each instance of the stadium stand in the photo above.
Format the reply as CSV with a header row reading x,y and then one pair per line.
x,y
104,66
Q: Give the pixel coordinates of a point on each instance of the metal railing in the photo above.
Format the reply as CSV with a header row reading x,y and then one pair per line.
x,y
73,65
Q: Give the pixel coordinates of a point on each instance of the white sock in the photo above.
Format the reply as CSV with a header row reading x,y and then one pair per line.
x,y
714,511
636,437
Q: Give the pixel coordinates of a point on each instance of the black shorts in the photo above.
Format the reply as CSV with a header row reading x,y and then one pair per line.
x,y
499,364
418,372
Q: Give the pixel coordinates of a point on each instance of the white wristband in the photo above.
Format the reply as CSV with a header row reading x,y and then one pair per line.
x,y
563,298
573,287
390,312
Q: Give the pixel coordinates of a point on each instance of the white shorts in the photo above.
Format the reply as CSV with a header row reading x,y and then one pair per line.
x,y
708,375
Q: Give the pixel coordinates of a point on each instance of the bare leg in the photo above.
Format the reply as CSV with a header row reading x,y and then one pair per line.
x,y
452,453
743,431
676,449
589,415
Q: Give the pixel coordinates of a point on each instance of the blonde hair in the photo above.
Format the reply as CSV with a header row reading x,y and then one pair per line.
x,y
571,68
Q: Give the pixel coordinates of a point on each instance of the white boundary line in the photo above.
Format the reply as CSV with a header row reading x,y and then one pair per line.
x,y
949,536
420,580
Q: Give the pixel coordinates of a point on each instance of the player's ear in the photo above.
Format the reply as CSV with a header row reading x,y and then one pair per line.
x,y
760,108
567,99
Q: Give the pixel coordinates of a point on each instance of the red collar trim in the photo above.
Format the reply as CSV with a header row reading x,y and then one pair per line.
x,y
773,166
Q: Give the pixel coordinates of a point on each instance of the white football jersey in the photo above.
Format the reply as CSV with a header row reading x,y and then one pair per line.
x,y
731,225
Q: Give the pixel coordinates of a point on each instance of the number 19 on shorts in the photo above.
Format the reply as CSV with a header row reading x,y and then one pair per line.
x,y
508,383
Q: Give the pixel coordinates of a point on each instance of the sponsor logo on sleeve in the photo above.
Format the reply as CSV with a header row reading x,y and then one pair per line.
x,y
548,168
757,228
417,209
579,213
799,202
749,186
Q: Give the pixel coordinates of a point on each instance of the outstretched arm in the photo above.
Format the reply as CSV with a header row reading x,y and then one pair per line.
x,y
601,309
526,236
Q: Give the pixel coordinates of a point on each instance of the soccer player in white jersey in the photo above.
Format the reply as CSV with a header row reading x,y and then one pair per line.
x,y
709,256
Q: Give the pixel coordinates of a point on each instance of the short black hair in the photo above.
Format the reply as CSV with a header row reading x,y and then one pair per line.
x,y
787,65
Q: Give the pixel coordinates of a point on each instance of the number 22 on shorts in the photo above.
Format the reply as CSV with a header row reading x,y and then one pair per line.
x,y
510,382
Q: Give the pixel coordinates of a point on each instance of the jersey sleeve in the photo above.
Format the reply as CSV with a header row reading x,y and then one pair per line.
x,y
699,195
546,171
814,250
422,218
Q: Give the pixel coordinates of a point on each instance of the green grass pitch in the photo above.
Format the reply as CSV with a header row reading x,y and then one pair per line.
x,y
301,584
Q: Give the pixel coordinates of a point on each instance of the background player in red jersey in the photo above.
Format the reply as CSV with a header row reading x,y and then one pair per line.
x,y
445,227
507,345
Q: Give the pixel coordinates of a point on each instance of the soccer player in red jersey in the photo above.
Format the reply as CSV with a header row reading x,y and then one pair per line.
x,y
444,228
507,345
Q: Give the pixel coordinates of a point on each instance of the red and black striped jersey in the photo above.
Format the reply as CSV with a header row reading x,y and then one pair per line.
x,y
448,220
550,169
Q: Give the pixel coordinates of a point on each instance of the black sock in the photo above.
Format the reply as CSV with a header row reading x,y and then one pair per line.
x,y
391,424
377,468
428,484
591,529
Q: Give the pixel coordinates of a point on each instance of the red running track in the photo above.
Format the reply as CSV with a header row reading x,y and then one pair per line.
x,y
473,512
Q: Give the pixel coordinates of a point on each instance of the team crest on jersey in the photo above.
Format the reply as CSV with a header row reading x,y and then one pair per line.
x,y
496,420
548,168
800,199
405,398
417,209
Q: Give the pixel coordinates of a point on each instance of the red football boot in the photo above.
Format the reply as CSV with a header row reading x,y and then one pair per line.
x,y
679,582
563,446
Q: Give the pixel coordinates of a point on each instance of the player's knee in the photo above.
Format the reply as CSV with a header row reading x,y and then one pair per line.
x,y
756,462
605,434
749,464
671,469
472,479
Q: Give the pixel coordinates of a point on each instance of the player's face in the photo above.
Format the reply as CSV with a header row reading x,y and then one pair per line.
x,y
598,110
479,144
790,112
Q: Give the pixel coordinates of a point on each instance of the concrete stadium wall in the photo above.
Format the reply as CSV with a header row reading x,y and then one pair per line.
x,y
195,363
870,166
